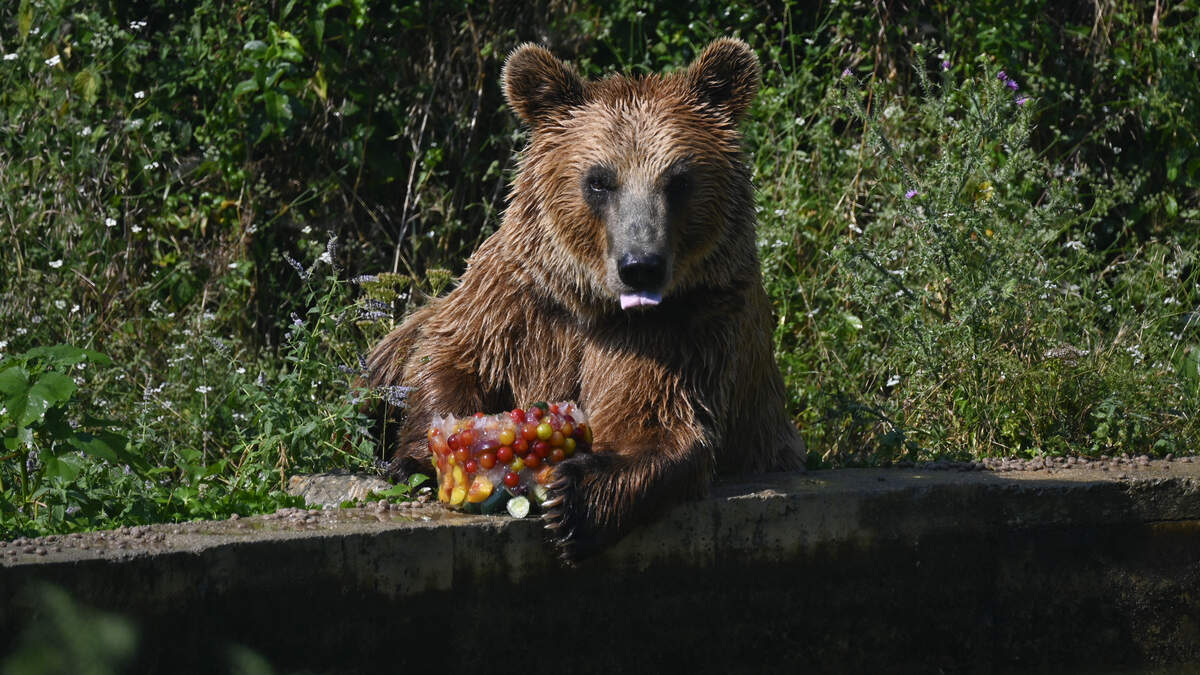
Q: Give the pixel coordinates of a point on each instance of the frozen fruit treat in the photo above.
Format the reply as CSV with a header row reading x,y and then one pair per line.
x,y
502,462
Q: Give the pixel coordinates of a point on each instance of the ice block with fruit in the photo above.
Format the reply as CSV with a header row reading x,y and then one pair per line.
x,y
503,462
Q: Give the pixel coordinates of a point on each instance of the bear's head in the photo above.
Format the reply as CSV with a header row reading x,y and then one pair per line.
x,y
640,179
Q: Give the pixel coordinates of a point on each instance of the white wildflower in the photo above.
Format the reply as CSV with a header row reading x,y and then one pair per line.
x,y
56,264
135,228
53,60
203,389
10,57
110,222
893,381
1170,301
60,304
139,94
1074,245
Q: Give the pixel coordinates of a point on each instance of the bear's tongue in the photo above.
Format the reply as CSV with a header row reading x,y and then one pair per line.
x,y
641,299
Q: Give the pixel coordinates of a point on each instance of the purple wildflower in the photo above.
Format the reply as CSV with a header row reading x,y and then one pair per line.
x,y
1012,84
1001,76
1022,100
945,65
846,72
910,194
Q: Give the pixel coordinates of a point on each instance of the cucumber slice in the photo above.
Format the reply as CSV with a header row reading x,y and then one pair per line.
x,y
495,503
539,494
518,507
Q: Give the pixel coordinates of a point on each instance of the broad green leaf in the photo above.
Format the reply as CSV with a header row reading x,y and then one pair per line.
x,y
14,380
93,446
51,389
66,467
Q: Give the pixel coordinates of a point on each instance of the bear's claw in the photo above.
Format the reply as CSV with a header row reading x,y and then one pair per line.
x,y
567,511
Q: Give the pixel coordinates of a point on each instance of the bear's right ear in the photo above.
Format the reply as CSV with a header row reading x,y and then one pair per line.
x,y
725,77
540,87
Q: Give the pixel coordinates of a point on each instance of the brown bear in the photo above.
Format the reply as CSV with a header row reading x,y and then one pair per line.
x,y
624,276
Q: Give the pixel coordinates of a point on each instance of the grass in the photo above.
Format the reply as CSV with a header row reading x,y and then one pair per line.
x,y
206,220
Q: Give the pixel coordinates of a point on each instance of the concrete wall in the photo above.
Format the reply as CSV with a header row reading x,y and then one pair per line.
x,y
840,571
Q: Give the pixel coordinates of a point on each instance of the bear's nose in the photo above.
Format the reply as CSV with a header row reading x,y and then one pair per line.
x,y
642,272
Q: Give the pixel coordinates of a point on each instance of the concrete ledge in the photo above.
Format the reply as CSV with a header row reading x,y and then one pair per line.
x,y
837,571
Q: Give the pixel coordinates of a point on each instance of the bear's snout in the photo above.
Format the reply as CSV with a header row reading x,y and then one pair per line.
x,y
642,272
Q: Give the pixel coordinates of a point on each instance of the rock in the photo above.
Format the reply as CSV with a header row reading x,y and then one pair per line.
x,y
333,488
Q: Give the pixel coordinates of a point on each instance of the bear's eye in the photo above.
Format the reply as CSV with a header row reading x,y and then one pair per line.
x,y
598,183
677,182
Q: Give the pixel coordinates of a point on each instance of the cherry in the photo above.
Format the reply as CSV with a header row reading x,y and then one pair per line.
x,y
511,479
541,449
504,454
529,431
453,441
471,466
507,437
517,415
557,439
532,460
462,455
567,429
487,459
544,430
557,455
466,437
521,447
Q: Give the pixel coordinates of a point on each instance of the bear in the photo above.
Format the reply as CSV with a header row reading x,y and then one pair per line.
x,y
624,276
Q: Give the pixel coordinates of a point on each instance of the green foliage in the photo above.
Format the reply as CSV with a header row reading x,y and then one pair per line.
x,y
163,165
66,637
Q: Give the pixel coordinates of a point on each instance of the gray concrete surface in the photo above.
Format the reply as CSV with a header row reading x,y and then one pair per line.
x,y
1060,570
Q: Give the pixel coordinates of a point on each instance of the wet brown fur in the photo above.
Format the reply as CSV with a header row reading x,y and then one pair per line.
x,y
677,393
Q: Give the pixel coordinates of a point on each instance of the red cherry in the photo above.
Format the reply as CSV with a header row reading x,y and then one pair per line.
x,y
471,466
517,415
535,413
557,455
511,479
529,431
521,447
487,459
541,449
554,408
466,437
488,445
532,461
504,454
462,455
453,441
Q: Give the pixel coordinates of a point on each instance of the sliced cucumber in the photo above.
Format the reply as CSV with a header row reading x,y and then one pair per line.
x,y
495,503
539,493
518,507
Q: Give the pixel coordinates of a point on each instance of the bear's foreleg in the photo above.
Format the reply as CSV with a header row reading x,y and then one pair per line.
x,y
598,497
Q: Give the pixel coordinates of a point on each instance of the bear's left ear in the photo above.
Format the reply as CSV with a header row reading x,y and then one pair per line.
x,y
538,86
725,77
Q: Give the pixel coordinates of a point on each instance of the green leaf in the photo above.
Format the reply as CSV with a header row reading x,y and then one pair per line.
x,y
14,380
94,446
245,87
51,389
66,467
